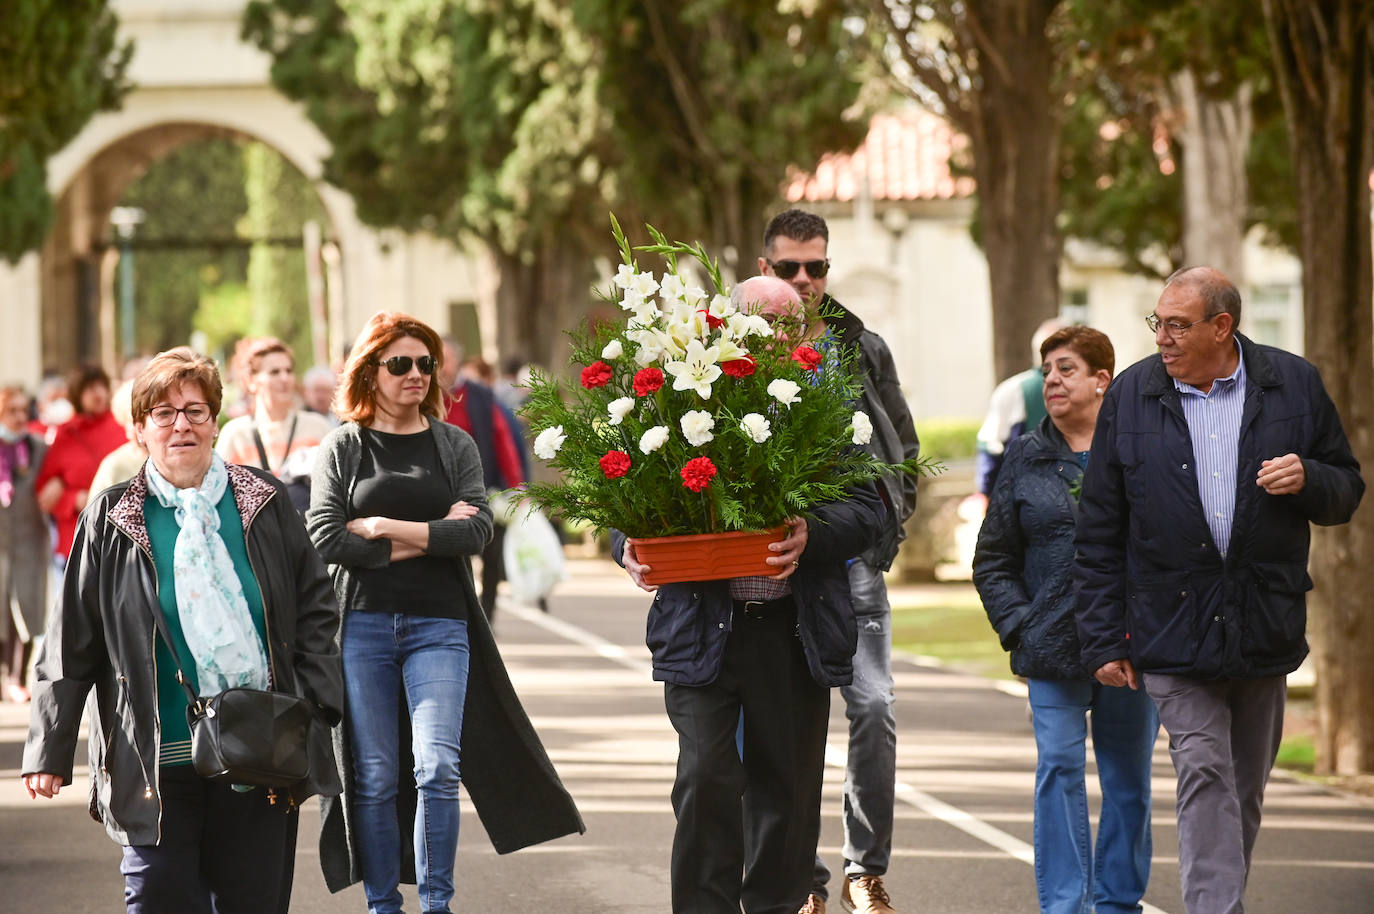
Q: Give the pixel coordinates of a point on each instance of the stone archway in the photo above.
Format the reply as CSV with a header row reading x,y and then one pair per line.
x,y
77,262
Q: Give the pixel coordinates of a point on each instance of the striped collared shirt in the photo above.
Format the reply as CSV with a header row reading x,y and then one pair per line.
x,y
1214,426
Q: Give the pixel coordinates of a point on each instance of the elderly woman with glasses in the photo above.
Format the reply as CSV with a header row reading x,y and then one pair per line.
x,y
397,508
1022,571
221,555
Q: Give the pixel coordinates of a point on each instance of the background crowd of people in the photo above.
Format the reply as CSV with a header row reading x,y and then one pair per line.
x,y
75,436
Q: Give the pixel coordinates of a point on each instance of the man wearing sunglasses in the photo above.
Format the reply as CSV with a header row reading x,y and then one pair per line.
x,y
796,249
1210,461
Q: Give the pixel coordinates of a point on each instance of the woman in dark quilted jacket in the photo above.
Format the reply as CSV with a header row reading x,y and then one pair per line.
x,y
1022,571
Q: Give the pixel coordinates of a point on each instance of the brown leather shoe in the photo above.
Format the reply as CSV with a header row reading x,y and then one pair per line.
x,y
815,904
866,895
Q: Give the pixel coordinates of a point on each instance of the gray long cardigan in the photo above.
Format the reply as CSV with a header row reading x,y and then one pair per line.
x,y
508,775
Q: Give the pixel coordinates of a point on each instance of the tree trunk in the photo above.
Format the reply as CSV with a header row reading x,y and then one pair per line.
x,y
1322,56
541,293
1015,136
1215,136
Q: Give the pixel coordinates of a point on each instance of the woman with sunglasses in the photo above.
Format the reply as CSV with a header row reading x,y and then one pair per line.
x,y
397,509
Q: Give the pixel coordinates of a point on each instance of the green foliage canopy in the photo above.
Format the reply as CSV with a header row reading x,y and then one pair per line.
x,y
60,63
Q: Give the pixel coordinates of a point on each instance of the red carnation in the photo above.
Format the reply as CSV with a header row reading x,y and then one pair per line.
x,y
597,374
713,322
698,473
615,464
806,357
647,380
738,368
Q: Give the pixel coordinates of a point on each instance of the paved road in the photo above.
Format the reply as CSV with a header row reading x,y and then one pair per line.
x,y
963,828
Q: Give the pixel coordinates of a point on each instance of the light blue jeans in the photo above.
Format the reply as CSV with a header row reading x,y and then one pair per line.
x,y
870,772
386,655
1070,877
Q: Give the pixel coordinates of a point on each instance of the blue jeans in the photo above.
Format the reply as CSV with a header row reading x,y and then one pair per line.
x,y
1070,876
385,655
870,773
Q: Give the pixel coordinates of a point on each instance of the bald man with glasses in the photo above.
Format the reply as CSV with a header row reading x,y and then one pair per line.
x,y
796,250
1210,461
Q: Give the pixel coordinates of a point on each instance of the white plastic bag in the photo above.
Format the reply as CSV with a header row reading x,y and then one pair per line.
x,y
533,554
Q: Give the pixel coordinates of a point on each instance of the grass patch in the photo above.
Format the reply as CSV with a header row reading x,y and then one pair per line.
x,y
948,439
955,630
1297,753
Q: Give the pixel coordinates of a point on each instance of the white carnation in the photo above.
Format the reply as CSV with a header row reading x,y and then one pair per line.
x,y
784,391
863,428
756,427
653,439
619,409
549,441
614,350
696,427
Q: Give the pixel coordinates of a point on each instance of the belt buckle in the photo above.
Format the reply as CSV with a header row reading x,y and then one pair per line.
x,y
754,609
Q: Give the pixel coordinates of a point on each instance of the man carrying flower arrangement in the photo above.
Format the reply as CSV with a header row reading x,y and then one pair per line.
x,y
795,248
694,420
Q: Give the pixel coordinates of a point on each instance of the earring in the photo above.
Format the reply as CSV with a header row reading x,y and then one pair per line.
x,y
1099,391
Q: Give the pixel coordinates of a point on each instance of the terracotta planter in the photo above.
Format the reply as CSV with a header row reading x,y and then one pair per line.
x,y
707,556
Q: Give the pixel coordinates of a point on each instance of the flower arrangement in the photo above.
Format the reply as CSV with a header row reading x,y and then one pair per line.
x,y
692,416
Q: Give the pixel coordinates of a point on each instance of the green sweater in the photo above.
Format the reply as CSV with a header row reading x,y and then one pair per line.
x,y
175,742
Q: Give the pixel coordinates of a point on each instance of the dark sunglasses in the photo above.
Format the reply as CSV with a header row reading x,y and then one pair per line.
x,y
786,269
399,365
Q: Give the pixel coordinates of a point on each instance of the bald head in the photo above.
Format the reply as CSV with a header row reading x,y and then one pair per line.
x,y
1219,295
760,292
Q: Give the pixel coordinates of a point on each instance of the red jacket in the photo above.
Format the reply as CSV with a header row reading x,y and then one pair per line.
x,y
75,453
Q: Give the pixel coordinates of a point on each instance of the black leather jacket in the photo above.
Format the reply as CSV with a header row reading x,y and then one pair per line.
x,y
101,636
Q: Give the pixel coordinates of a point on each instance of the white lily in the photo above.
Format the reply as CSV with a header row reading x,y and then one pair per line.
x,y
696,370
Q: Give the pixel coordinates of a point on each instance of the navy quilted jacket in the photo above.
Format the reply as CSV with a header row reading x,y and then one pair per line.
x,y
1152,584
1025,555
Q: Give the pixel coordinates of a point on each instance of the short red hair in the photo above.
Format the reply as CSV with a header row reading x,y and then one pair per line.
x,y
355,400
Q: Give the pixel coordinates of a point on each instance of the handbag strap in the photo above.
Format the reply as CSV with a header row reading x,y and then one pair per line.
x,y
192,699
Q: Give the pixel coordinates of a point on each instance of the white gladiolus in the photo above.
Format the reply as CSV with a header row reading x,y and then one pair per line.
x,y
625,276
645,284
614,350
696,427
784,391
671,289
863,428
653,439
549,441
756,427
620,408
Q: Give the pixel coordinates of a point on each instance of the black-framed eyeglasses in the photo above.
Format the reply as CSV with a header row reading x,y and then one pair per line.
x,y
399,365
1173,328
195,413
786,269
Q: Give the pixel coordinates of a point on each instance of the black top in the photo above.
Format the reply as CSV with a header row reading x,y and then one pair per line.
x,y
399,476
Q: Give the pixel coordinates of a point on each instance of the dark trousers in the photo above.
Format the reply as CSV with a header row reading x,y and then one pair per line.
x,y
493,569
747,828
221,851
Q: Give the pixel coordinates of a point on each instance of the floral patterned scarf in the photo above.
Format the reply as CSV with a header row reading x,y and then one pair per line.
x,y
214,613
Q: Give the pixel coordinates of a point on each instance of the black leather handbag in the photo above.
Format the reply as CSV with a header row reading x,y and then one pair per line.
x,y
254,737
250,736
